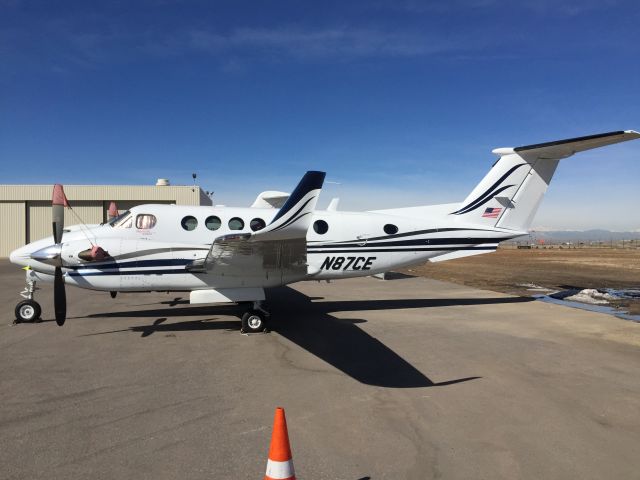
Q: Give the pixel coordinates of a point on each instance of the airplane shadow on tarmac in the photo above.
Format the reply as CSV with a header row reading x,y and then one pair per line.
x,y
308,324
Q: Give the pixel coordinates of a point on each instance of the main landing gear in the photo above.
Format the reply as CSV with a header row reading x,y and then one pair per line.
x,y
254,320
28,310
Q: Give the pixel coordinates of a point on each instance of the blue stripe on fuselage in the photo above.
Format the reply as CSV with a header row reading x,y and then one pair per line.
x,y
167,262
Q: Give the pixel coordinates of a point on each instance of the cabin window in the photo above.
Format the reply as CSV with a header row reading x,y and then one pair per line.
x,y
145,221
320,227
236,223
390,229
213,222
257,224
189,223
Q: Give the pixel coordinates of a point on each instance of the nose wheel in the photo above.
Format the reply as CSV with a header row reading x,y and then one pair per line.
x,y
255,319
28,310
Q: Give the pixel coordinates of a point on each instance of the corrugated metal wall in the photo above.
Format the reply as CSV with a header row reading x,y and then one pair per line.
x,y
12,226
39,215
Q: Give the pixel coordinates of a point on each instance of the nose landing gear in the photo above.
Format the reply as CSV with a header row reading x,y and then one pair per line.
x,y
28,310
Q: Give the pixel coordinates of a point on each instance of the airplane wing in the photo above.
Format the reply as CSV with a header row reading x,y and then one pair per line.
x,y
565,148
278,250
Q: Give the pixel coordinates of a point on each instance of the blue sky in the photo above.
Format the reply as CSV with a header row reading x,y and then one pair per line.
x,y
399,101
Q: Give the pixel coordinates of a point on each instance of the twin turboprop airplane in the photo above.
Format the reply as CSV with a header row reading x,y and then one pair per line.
x,y
221,254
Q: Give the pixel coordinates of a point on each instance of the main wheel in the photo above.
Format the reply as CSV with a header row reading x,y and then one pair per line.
x,y
28,311
253,321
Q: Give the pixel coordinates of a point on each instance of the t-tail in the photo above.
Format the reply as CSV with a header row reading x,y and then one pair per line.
x,y
510,194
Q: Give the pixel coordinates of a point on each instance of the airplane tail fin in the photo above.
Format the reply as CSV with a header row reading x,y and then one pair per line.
x,y
509,195
294,217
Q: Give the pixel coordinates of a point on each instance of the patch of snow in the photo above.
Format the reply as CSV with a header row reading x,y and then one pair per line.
x,y
591,296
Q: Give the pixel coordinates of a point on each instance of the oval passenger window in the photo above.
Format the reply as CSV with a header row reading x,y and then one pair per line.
x,y
257,224
212,222
145,221
189,223
236,224
390,229
320,227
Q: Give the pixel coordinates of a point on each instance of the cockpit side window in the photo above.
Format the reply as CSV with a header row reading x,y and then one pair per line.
x,y
122,221
145,221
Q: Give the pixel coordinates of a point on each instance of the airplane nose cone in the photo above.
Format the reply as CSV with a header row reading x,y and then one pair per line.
x,y
50,255
20,257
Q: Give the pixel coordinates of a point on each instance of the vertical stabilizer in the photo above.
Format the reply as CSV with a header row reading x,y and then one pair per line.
x,y
510,194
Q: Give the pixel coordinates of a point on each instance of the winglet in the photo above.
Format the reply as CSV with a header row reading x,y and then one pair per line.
x,y
294,218
311,182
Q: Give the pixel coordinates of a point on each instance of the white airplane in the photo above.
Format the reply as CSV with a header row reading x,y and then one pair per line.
x,y
223,254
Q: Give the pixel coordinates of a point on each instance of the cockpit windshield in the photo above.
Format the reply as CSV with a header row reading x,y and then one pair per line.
x,y
121,221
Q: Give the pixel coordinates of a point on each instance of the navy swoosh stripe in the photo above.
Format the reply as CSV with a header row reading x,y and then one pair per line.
x,y
139,263
142,253
490,197
131,272
489,190
311,181
419,249
293,217
410,234
422,241
492,187
291,221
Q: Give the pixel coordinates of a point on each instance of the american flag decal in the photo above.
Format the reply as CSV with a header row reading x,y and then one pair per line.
x,y
492,212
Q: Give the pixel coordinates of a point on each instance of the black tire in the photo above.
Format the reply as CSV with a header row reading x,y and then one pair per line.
x,y
28,311
254,321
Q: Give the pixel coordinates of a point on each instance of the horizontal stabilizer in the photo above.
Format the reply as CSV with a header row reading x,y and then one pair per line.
x,y
565,148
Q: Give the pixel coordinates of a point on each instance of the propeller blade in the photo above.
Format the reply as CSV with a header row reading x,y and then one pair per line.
x,y
59,297
58,202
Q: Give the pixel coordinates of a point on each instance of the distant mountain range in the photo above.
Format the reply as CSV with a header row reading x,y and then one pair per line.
x,y
582,236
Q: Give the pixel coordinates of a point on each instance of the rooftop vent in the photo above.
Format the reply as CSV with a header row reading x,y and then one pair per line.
x,y
162,182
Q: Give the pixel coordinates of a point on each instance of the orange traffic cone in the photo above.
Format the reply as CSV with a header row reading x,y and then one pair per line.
x,y
280,464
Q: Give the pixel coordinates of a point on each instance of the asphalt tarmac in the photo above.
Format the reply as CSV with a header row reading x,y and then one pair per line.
x,y
406,378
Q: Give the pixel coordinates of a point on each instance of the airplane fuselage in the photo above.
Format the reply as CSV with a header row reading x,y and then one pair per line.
x,y
153,247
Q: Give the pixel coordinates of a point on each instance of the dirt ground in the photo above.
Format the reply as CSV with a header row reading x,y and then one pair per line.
x,y
512,270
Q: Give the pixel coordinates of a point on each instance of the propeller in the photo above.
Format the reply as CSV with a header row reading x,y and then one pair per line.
x,y
58,203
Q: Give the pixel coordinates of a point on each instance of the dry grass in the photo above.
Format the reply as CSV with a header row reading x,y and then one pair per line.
x,y
508,270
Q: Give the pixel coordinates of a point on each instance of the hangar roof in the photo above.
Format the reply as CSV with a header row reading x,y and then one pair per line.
x,y
182,195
